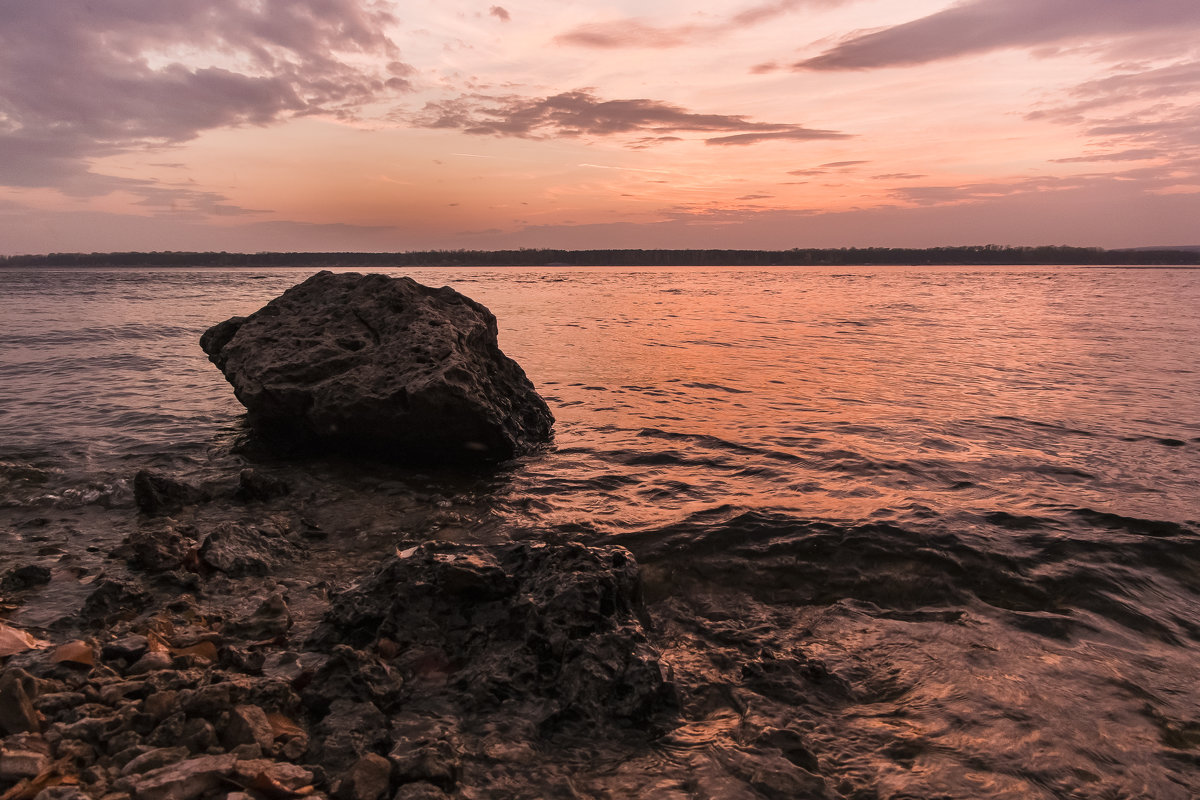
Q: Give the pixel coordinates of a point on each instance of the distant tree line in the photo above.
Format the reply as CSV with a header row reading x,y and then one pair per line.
x,y
532,257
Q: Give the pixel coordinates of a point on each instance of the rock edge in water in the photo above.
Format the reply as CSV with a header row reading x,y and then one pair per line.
x,y
383,366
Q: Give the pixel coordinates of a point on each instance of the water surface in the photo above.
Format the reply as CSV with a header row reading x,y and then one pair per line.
x,y
967,496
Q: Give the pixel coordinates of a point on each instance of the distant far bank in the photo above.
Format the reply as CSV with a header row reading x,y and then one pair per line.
x,y
847,256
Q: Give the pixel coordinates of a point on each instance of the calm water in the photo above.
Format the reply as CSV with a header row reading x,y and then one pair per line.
x,y
968,497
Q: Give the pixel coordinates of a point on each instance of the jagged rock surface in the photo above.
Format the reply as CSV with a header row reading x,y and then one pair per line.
x,y
555,631
369,363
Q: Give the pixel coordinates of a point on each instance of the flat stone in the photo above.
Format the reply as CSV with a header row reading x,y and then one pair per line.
x,y
17,715
150,662
62,793
185,780
274,773
18,764
420,790
55,702
154,759
368,779
248,725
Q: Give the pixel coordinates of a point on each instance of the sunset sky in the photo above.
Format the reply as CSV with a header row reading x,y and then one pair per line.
x,y
249,125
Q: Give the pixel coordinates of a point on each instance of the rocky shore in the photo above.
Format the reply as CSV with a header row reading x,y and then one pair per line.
x,y
445,671
199,665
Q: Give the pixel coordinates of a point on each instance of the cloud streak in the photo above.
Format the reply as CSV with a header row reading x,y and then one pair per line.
x,y
581,113
632,33
978,26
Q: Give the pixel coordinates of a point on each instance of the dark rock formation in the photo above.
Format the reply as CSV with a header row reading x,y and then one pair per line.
x,y
24,577
157,549
239,550
254,486
368,363
551,633
113,599
161,494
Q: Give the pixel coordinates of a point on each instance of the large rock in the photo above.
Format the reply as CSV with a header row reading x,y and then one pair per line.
x,y
382,365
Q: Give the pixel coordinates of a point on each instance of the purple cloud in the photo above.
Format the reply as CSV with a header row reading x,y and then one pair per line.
x,y
500,13
1135,115
581,113
981,25
83,79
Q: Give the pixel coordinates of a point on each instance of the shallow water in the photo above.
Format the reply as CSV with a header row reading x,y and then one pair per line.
x,y
945,520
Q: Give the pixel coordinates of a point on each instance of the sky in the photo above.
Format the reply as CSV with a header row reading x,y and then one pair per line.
x,y
371,125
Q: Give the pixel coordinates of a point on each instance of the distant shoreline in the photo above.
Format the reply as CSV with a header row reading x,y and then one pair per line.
x,y
984,255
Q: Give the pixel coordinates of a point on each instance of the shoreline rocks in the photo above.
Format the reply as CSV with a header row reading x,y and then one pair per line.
x,y
444,673
381,366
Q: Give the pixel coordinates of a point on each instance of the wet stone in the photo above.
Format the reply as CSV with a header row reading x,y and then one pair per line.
x,y
62,793
151,662
154,759
18,579
557,630
160,704
154,493
185,780
368,779
433,762
128,649
348,732
156,550
113,600
420,790
270,620
17,690
248,725
288,777
57,702
256,486
242,550
22,757
198,735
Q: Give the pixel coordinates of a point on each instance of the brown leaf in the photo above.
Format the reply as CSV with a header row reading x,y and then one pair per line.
x,y
205,650
283,727
272,788
14,640
156,643
76,652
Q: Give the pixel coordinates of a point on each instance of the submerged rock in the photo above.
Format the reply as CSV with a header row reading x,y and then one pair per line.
x,y
154,493
556,631
24,577
369,363
254,486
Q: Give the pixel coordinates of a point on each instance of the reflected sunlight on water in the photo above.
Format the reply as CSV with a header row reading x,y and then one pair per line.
x,y
945,518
